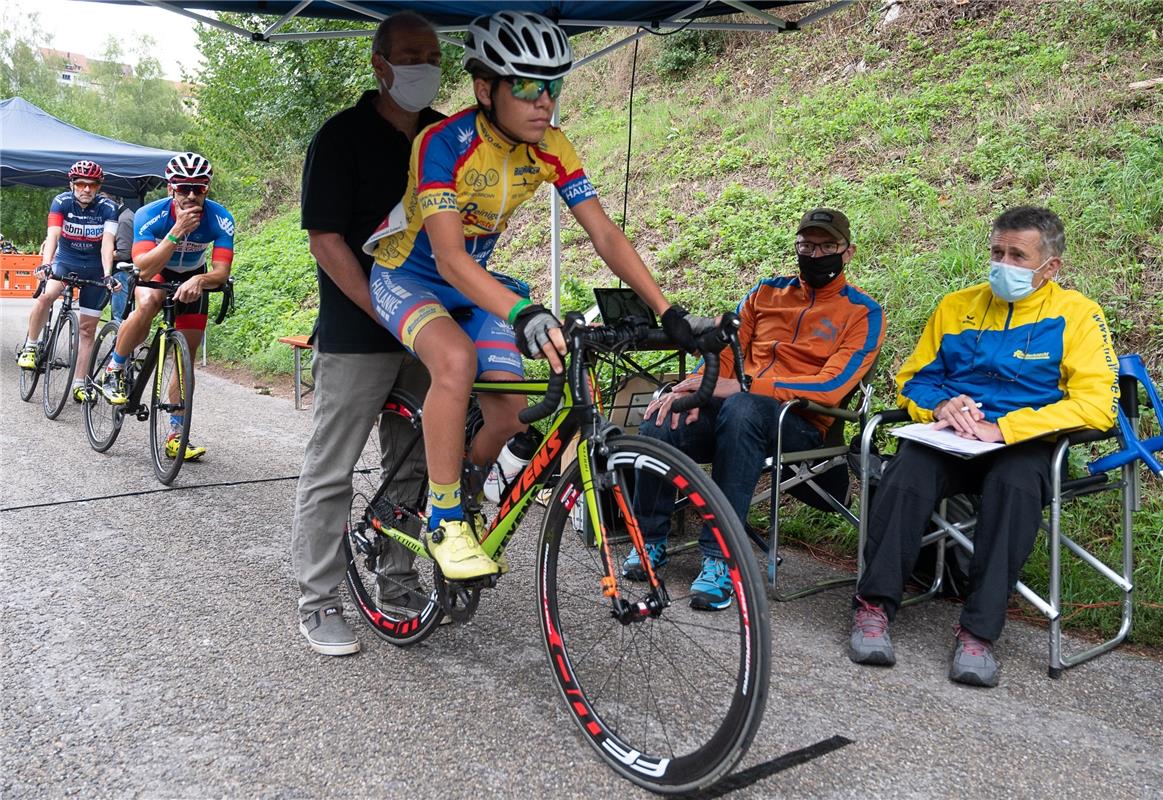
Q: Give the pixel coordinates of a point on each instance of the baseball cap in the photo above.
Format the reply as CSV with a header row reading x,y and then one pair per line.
x,y
828,219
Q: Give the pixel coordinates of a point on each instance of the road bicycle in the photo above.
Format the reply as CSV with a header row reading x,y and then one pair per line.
x,y
167,358
669,697
56,348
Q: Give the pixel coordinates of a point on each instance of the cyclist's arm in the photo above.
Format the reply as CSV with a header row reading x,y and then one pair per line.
x,y
152,261
461,270
49,250
107,246
621,257
341,266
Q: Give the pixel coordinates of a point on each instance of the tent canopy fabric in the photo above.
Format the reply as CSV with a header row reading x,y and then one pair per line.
x,y
37,150
450,15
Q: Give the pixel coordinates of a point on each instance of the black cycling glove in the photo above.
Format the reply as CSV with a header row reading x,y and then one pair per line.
x,y
684,328
532,326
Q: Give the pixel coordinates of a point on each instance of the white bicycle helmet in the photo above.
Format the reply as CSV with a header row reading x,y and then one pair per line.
x,y
188,167
517,44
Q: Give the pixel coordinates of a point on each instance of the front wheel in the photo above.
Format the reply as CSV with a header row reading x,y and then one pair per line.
x,y
102,418
60,364
171,407
669,700
30,377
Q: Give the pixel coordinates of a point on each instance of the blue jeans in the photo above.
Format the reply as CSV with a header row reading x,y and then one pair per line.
x,y
119,299
736,435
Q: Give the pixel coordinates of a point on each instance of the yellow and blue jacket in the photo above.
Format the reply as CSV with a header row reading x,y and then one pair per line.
x,y
1040,365
461,164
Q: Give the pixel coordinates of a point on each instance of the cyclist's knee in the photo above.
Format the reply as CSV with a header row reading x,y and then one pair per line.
x,y
453,367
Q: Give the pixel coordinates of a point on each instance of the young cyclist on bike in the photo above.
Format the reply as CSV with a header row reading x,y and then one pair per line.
x,y
173,238
81,226
468,175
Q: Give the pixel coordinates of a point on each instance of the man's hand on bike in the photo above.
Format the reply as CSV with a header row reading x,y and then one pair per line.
x,y
684,328
112,284
43,271
539,336
190,290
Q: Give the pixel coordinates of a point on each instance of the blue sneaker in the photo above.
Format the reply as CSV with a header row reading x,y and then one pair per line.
x,y
712,589
632,566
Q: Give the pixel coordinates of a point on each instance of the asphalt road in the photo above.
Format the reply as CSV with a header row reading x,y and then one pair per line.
x,y
149,649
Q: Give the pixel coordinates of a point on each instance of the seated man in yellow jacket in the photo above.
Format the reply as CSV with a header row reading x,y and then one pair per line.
x,y
812,335
1014,360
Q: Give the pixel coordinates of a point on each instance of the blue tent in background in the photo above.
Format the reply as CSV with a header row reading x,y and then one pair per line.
x,y
37,149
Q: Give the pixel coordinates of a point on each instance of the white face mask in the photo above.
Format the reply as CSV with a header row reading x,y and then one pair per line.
x,y
414,86
1012,283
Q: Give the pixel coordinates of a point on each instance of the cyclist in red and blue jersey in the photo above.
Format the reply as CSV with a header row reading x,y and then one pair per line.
x,y
81,226
431,287
173,239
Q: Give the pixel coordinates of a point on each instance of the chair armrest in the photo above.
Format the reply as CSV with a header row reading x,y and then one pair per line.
x,y
1089,435
891,416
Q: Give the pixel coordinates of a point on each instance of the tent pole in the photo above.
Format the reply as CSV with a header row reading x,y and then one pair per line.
x,y
555,239
286,18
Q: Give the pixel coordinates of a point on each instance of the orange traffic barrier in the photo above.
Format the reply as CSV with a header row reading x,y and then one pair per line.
x,y
16,278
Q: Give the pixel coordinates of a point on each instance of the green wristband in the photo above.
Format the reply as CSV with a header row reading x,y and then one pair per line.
x,y
523,303
171,238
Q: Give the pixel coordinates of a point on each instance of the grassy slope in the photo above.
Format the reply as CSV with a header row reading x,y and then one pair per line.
x,y
921,132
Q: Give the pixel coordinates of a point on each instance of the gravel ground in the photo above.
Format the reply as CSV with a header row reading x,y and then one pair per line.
x,y
149,649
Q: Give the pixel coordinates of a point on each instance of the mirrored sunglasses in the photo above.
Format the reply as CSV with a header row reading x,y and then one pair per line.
x,y
90,185
190,188
531,88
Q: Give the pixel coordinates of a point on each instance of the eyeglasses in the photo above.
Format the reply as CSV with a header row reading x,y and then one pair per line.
x,y
825,248
90,186
198,189
994,375
531,88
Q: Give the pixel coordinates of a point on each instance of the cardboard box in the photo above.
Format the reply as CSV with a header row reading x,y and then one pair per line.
x,y
632,398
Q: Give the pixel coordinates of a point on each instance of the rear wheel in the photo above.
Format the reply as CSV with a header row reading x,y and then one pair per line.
x,y
396,598
102,418
670,700
60,364
30,377
171,407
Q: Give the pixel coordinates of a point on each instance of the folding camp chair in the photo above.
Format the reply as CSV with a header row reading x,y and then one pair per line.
x,y
948,534
817,477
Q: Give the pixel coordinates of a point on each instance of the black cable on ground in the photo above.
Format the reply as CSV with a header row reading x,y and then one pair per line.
x,y
149,491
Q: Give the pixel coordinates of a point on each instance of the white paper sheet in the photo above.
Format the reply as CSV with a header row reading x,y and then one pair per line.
x,y
945,440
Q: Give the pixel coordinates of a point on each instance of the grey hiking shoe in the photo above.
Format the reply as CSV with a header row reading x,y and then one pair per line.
x,y
328,634
973,661
870,643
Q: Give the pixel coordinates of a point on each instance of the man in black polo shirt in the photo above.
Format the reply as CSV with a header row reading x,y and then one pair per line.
x,y
355,172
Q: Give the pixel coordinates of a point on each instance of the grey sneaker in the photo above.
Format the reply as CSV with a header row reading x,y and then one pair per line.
x,y
973,661
870,642
328,634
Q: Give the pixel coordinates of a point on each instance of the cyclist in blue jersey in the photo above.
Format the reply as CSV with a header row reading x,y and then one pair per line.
x,y
81,225
468,174
173,239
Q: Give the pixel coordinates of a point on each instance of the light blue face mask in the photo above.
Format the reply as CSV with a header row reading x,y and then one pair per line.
x,y
1012,283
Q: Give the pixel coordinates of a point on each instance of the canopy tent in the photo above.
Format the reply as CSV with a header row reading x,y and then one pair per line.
x,y
643,17
38,149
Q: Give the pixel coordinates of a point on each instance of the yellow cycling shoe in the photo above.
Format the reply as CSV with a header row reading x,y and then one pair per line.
x,y
458,552
193,452
27,357
79,393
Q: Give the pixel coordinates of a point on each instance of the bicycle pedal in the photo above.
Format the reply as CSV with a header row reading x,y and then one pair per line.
x,y
473,584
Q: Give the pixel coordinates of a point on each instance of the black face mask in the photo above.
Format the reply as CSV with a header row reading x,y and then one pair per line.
x,y
818,272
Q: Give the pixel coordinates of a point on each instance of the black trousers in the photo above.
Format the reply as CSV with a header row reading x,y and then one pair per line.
x,y
1014,484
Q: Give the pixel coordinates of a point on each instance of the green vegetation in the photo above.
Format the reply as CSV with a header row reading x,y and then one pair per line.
x,y
112,108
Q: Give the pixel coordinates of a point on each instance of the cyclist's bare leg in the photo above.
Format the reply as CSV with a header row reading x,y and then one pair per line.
x,y
136,326
42,307
88,330
501,423
193,337
451,360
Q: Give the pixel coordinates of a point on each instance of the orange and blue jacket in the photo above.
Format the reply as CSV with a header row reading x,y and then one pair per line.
x,y
800,342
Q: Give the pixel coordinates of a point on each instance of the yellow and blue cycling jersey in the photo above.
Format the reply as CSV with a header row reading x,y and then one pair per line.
x,y
1040,365
462,165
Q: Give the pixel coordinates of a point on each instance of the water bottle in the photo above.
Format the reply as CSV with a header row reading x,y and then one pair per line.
x,y
514,456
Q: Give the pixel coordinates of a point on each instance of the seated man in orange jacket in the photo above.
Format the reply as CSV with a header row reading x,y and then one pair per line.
x,y
811,336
